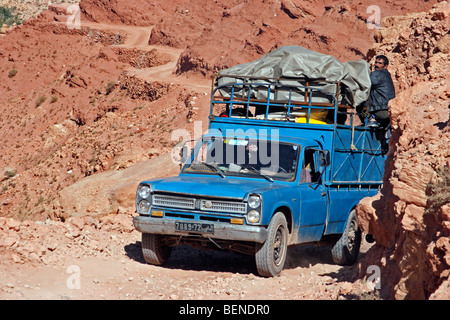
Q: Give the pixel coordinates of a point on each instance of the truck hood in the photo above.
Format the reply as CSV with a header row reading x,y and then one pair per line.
x,y
213,186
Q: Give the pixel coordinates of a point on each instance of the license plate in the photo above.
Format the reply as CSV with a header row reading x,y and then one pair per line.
x,y
194,227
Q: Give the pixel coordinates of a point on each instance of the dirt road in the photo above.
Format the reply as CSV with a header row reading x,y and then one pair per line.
x,y
90,258
137,38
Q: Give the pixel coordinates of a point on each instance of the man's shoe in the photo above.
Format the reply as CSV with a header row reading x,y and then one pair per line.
x,y
372,123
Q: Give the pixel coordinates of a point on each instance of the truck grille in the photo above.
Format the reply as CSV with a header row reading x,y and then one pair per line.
x,y
203,204
173,202
223,206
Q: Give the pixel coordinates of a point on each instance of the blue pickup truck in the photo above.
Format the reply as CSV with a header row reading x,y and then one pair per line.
x,y
268,174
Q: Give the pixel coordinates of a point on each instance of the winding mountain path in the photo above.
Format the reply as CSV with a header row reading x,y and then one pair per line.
x,y
137,38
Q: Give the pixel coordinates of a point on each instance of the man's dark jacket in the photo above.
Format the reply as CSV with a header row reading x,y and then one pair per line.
x,y
382,90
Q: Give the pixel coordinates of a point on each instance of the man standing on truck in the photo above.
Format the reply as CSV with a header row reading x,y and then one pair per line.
x,y
382,90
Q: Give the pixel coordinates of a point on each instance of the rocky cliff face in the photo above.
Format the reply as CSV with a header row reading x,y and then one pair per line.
x,y
410,218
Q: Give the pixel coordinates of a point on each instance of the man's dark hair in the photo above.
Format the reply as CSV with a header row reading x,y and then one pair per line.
x,y
384,58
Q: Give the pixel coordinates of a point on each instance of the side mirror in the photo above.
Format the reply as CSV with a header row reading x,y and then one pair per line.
x,y
324,158
180,153
184,153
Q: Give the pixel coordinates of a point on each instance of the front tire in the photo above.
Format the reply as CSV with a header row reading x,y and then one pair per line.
x,y
154,250
346,249
271,255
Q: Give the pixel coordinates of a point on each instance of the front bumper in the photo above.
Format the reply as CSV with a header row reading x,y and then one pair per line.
x,y
224,231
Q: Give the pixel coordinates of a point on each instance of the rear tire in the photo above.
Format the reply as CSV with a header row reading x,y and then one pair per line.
x,y
154,250
271,255
346,249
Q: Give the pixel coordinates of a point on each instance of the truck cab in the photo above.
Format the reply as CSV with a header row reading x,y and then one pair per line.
x,y
268,174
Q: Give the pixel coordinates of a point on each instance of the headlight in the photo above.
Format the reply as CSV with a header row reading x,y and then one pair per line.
x,y
144,191
144,206
253,216
254,202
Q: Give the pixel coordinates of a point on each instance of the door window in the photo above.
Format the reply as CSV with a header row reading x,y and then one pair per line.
x,y
310,171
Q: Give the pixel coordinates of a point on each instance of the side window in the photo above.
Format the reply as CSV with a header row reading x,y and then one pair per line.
x,y
309,169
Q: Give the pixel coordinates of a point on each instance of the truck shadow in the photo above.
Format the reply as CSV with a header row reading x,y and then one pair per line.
x,y
186,257
308,255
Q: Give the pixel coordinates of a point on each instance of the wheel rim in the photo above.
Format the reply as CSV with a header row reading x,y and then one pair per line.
x,y
351,237
278,246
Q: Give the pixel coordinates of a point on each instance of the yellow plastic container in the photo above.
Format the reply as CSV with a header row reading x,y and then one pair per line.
x,y
311,120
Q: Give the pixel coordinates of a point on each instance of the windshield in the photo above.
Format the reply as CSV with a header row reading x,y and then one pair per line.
x,y
270,160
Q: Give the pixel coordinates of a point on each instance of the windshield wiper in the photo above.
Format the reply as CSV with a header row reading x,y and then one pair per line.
x,y
216,169
253,169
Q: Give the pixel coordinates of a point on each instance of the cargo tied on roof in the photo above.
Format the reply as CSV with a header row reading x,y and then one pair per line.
x,y
295,65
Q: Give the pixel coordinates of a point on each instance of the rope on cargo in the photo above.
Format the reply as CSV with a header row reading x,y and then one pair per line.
x,y
352,146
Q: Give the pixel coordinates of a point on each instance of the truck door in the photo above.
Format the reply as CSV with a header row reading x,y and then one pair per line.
x,y
314,198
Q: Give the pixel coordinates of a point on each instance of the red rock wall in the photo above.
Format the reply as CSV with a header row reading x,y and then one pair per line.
x,y
410,218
